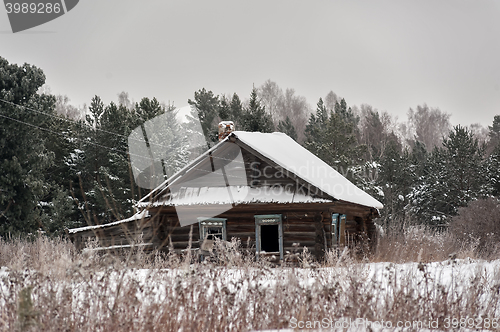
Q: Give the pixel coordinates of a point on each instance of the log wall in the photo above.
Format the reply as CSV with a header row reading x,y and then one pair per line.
x,y
304,225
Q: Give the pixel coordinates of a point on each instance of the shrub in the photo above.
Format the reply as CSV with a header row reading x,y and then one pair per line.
x,y
478,225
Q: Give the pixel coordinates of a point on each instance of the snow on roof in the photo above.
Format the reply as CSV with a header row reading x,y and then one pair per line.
x,y
137,216
294,158
290,156
233,195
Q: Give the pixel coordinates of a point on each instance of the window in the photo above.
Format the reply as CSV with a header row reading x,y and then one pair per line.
x,y
338,229
211,229
269,234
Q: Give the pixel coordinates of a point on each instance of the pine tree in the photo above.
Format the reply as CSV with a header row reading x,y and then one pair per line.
x,y
287,128
236,111
464,165
255,117
493,172
207,105
332,138
114,184
346,113
225,110
431,203
145,110
395,178
315,130
493,160
104,186
494,131
24,158
317,122
452,176
60,210
419,157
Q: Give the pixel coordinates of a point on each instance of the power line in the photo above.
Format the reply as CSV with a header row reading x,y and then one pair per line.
x,y
105,131
97,129
61,134
113,149
78,123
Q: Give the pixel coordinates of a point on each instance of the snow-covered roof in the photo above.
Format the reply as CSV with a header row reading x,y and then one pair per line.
x,y
294,158
234,195
281,150
137,216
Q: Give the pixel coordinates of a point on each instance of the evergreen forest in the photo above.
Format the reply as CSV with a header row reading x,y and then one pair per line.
x,y
64,166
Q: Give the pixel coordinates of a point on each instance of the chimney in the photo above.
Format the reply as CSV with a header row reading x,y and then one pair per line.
x,y
225,128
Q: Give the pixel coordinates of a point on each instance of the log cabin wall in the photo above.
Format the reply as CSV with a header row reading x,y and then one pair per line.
x,y
122,234
308,225
171,234
304,225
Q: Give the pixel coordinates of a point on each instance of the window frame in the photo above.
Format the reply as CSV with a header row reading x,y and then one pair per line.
x,y
204,223
263,220
338,230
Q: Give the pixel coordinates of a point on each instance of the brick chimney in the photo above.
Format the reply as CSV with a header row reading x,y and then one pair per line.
x,y
225,128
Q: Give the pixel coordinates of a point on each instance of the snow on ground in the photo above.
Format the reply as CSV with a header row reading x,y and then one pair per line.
x,y
384,281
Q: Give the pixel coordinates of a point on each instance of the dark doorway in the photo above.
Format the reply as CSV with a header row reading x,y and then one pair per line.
x,y
269,238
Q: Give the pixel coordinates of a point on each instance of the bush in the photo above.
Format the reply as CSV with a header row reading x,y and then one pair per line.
x,y
478,225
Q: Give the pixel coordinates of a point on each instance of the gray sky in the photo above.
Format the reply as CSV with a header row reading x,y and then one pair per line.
x,y
392,54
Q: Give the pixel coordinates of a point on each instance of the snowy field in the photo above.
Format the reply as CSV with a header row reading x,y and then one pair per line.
x,y
87,295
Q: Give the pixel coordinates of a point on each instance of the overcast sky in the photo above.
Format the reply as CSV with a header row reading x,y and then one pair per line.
x,y
392,54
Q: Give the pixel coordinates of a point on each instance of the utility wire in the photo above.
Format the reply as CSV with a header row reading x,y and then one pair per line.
x,y
76,122
105,131
97,129
62,134
106,147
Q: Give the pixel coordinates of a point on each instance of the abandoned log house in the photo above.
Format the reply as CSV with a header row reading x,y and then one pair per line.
x,y
264,189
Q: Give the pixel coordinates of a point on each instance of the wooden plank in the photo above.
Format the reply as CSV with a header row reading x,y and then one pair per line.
x,y
299,234
299,228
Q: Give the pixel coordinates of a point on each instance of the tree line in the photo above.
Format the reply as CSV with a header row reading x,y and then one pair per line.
x,y
64,167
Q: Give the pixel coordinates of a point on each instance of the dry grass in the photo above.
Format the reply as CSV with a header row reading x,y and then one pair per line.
x,y
478,226
417,244
474,234
47,285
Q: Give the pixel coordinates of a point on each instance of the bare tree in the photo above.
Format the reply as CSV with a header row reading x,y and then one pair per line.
x,y
271,96
64,108
124,100
297,109
428,125
285,104
330,100
376,130
480,132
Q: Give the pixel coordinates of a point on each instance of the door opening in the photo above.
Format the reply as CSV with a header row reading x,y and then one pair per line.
x,y
269,235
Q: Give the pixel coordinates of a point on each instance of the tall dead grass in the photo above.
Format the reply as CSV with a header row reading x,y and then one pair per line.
x,y
47,285
416,243
469,235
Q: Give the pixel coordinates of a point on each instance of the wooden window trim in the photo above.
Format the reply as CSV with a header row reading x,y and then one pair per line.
x,y
338,230
263,219
204,223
